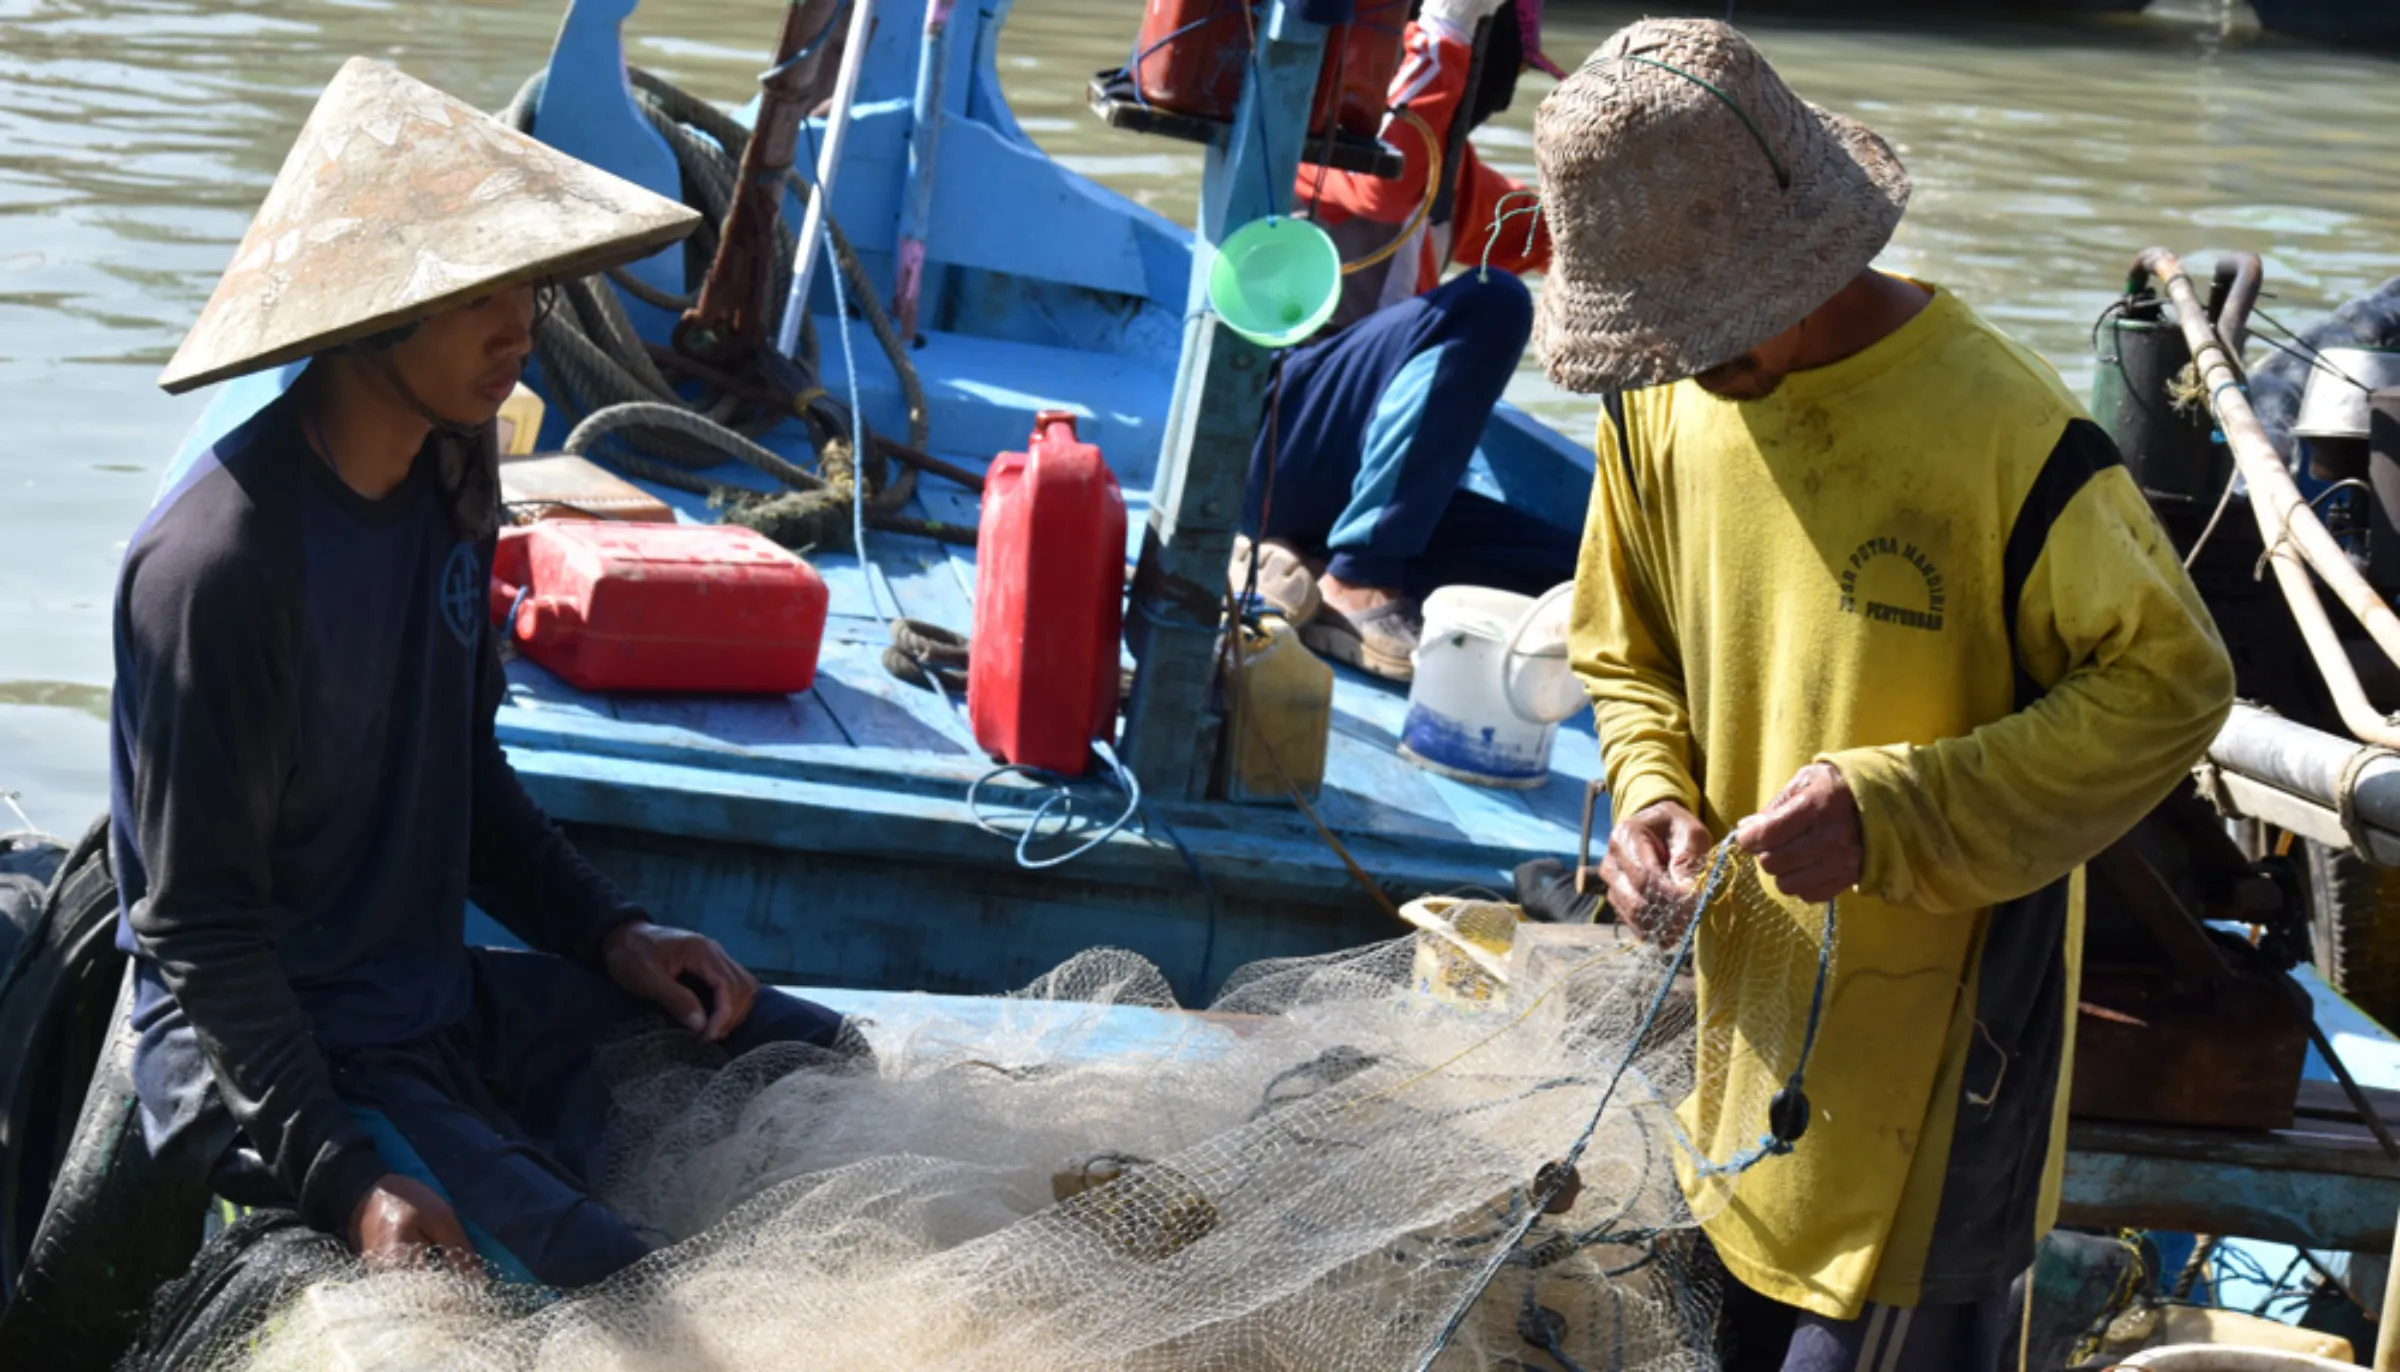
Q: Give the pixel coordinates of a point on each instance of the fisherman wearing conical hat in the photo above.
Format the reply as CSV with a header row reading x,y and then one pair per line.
x,y
1864,589
307,786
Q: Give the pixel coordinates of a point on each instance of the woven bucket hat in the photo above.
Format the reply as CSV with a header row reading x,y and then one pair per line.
x,y
1697,207
395,203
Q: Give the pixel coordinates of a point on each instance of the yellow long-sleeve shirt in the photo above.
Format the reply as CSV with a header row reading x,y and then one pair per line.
x,y
1923,564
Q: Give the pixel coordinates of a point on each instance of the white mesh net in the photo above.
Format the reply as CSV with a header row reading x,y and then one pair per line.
x,y
1320,1172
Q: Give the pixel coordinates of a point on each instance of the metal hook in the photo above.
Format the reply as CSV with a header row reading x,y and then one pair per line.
x,y
1491,240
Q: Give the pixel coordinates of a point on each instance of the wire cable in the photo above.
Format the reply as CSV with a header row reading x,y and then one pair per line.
x,y
1059,801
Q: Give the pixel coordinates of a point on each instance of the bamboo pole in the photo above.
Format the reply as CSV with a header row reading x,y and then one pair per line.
x,y
2387,1319
2297,541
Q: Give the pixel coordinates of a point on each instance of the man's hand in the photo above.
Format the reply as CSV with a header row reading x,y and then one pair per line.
x,y
400,1219
652,961
1653,859
1809,839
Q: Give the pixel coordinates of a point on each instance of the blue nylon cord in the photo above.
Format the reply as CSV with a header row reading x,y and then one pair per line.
x,y
809,49
1769,1145
1208,889
886,603
1133,66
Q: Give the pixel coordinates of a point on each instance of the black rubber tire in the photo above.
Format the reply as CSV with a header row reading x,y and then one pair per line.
x,y
56,999
237,1281
29,863
28,853
120,1224
20,909
2354,917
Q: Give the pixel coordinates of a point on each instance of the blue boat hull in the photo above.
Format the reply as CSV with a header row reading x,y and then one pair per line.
x,y
827,836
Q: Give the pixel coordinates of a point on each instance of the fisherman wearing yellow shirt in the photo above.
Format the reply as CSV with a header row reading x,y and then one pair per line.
x,y
1862,587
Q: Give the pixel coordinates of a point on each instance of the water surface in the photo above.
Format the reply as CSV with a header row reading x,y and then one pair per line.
x,y
136,136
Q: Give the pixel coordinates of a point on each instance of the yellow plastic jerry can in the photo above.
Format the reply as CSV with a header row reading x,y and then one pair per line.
x,y
1278,714
520,421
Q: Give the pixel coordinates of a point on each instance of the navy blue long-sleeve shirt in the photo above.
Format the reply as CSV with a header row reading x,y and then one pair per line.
x,y
306,789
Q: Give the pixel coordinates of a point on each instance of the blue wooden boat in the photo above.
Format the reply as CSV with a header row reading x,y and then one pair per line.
x,y
827,836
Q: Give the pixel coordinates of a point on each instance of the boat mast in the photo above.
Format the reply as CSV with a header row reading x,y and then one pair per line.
x,y
1196,503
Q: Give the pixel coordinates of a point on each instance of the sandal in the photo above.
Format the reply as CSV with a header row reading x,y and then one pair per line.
x,y
1382,640
1285,583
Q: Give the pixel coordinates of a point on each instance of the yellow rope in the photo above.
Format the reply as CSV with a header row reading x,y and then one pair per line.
x,y
1433,191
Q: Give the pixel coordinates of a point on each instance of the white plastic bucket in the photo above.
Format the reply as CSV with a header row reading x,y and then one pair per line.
x,y
2334,403
1492,685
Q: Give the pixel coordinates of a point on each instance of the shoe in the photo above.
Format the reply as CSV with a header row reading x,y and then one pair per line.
x,y
1382,640
1285,583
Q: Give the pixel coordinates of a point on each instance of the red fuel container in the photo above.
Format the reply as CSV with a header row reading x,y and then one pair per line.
x,y
659,607
1192,54
1049,602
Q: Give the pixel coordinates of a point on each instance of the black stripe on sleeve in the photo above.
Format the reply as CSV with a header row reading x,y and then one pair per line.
x,y
2083,451
1614,403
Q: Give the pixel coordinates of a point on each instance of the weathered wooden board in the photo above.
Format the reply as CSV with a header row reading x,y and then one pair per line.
x,y
2314,1191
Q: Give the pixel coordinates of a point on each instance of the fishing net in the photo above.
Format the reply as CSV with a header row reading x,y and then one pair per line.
x,y
1481,1147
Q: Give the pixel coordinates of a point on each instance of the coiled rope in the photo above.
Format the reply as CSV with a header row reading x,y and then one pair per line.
x,y
602,374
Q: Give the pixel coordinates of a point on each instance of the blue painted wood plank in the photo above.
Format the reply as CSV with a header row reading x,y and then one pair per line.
x,y
1041,221
918,572
911,578
587,111
881,711
832,918
1066,1033
931,756
816,703
532,686
898,805
1525,463
2368,1049
1363,763
950,502
738,721
984,394
2108,1185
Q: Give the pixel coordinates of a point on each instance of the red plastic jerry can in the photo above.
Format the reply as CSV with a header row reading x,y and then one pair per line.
x,y
1049,602
659,607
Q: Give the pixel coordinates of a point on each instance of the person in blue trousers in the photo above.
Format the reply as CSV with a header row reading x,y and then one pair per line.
x,y
1355,481
306,784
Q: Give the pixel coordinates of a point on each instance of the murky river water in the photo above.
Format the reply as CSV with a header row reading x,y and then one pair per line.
x,y
137,135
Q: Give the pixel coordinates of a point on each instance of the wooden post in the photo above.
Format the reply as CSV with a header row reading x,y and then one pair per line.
x,y
2387,1319
1220,384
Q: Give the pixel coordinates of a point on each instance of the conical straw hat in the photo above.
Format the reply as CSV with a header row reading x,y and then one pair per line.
x,y
1697,207
398,202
